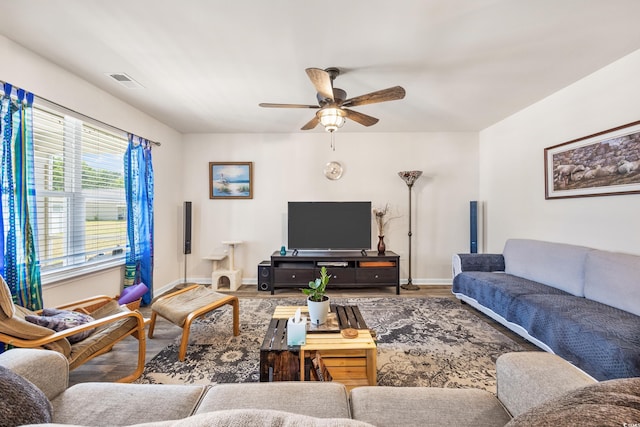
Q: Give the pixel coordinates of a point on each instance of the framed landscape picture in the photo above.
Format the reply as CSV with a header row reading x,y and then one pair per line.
x,y
230,180
603,164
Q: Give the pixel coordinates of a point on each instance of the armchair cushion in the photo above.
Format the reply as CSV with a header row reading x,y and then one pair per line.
x,y
18,327
6,299
12,322
59,320
104,336
22,402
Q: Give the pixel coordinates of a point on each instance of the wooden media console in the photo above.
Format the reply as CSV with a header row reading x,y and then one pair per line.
x,y
347,269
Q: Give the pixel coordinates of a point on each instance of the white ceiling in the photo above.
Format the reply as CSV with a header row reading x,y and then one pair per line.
x,y
205,65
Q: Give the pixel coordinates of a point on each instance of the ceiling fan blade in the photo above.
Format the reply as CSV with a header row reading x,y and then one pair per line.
x,y
321,81
311,124
363,119
390,94
269,105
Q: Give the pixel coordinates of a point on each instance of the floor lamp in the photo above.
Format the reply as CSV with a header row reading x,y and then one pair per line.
x,y
410,177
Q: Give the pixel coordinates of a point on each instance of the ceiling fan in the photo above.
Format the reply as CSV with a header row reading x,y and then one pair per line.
x,y
332,102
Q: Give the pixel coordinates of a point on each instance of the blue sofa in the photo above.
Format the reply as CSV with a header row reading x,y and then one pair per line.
x,y
580,303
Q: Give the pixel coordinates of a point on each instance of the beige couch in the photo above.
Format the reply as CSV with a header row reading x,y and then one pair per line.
x,y
525,380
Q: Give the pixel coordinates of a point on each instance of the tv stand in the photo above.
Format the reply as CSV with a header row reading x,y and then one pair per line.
x,y
347,269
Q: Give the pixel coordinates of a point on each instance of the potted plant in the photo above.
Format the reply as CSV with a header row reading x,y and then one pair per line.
x,y
317,300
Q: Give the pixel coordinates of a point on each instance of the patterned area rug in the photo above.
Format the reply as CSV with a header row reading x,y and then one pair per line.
x,y
421,342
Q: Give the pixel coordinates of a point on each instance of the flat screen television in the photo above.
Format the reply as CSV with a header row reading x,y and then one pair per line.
x,y
329,225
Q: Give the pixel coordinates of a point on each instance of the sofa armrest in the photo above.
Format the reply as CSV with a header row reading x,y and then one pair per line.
x,y
48,370
477,262
527,379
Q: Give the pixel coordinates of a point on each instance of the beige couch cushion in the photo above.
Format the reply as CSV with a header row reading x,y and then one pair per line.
x,y
47,370
255,418
526,379
426,406
296,397
116,404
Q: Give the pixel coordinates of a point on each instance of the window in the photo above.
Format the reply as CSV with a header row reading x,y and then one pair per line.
x,y
80,193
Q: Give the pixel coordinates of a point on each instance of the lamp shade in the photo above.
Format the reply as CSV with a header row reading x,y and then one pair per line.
x,y
331,118
410,176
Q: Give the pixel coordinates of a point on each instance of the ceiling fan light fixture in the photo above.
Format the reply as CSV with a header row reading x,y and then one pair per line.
x,y
331,118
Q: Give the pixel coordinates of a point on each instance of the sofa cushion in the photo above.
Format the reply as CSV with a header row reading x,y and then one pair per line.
x,y
609,403
22,402
296,397
600,339
113,404
499,292
527,378
59,320
613,279
554,264
254,418
47,370
426,406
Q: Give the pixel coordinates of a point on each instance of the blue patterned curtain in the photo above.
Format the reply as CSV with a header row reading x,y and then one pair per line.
x,y
138,176
20,265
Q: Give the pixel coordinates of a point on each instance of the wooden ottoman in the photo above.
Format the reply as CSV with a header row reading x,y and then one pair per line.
x,y
184,306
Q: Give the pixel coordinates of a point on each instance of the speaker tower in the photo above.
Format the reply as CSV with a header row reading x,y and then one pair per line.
x,y
187,228
475,226
264,276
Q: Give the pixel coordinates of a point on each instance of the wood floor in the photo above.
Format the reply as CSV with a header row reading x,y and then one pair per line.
x,y
121,360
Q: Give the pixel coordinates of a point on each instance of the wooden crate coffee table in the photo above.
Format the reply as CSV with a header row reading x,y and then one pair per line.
x,y
351,362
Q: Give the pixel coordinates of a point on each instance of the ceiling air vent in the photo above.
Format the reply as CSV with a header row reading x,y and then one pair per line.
x,y
125,80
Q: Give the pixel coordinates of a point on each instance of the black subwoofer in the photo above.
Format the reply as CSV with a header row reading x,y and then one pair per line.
x,y
264,276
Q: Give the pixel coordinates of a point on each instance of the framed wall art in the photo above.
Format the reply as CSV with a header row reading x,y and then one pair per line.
x,y
230,180
604,164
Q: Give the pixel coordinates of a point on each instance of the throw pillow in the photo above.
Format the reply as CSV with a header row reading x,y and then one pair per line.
x,y
22,402
608,403
59,320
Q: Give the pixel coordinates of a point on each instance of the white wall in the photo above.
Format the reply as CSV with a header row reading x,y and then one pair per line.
x,y
24,69
512,165
289,167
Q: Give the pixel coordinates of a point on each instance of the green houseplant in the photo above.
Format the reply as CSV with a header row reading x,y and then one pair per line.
x,y
317,288
317,300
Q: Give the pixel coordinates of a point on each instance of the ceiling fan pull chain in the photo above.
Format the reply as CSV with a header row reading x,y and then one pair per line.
x,y
333,142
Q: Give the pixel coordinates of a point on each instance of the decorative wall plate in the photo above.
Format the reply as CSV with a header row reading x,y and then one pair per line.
x,y
333,170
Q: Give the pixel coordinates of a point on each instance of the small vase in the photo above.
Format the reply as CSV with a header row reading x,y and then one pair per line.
x,y
381,246
318,311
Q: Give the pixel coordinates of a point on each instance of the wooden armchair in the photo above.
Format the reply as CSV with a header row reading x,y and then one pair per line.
x,y
112,324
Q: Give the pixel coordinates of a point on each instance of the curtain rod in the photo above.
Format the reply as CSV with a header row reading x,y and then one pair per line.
x,y
2,82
